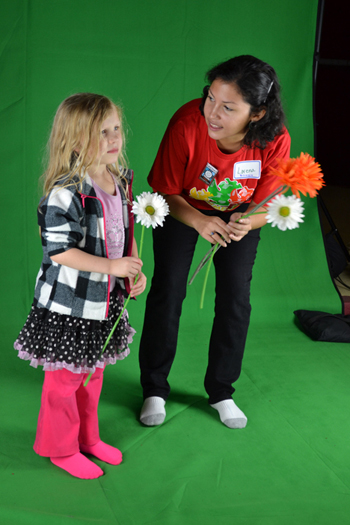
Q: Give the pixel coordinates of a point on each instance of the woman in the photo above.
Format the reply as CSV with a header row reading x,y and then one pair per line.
x,y
212,168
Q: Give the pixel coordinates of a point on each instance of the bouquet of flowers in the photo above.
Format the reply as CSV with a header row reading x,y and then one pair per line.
x,y
300,175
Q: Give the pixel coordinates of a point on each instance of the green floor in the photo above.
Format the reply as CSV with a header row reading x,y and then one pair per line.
x,y
290,465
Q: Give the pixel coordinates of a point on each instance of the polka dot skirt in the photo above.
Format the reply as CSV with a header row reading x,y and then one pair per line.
x,y
58,341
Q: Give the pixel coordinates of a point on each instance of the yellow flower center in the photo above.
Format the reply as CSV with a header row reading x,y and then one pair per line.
x,y
150,210
284,211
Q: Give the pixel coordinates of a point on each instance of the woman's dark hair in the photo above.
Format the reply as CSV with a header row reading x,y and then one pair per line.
x,y
258,84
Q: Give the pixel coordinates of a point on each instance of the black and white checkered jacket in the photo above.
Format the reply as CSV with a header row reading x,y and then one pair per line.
x,y
72,219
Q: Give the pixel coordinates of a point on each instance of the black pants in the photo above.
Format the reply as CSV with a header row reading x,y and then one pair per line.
x,y
173,246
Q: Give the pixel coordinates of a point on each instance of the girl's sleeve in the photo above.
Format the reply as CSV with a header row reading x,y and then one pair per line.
x,y
279,149
59,218
168,170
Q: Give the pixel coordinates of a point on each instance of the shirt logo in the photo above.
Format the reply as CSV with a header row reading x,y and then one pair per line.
x,y
226,195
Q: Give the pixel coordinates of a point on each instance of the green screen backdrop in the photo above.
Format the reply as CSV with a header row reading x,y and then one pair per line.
x,y
151,56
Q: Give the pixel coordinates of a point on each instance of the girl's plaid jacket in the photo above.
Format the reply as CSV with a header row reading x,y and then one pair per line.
x,y
69,218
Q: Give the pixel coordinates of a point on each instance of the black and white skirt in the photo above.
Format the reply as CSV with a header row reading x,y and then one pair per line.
x,y
58,341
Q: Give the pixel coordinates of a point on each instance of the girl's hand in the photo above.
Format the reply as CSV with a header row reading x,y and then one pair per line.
x,y
125,267
212,229
139,287
238,230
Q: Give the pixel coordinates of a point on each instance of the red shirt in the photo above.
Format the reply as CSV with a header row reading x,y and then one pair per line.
x,y
187,158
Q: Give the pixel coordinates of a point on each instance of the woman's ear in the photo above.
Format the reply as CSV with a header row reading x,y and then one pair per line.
x,y
258,116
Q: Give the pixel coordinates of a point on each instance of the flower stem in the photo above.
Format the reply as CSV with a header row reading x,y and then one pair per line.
x,y
245,215
141,242
280,189
207,274
121,313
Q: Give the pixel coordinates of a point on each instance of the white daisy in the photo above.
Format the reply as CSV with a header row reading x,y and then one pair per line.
x,y
285,212
150,209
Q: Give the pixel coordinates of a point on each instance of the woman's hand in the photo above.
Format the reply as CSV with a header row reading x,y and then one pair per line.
x,y
239,229
139,287
125,267
212,229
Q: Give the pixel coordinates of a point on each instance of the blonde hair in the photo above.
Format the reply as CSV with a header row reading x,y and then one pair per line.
x,y
75,128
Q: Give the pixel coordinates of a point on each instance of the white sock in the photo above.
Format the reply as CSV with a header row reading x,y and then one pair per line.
x,y
230,414
153,411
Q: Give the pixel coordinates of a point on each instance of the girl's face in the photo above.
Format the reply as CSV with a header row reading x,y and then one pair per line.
x,y
110,140
227,115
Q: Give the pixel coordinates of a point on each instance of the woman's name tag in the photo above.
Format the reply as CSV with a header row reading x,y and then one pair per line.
x,y
247,169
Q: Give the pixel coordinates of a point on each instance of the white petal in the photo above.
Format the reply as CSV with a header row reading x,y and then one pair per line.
x,y
157,202
290,222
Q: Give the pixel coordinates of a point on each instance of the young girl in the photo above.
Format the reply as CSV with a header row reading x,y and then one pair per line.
x,y
90,262
212,166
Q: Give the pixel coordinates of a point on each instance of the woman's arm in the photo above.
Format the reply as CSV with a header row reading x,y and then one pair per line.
x,y
205,225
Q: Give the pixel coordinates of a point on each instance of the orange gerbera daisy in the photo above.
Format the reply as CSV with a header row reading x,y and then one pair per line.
x,y
302,174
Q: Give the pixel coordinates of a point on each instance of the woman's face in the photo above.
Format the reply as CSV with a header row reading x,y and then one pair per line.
x,y
227,115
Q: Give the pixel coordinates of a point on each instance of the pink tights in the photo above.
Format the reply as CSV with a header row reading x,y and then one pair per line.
x,y
68,424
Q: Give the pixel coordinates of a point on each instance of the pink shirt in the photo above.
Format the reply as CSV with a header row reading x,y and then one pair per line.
x,y
115,233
